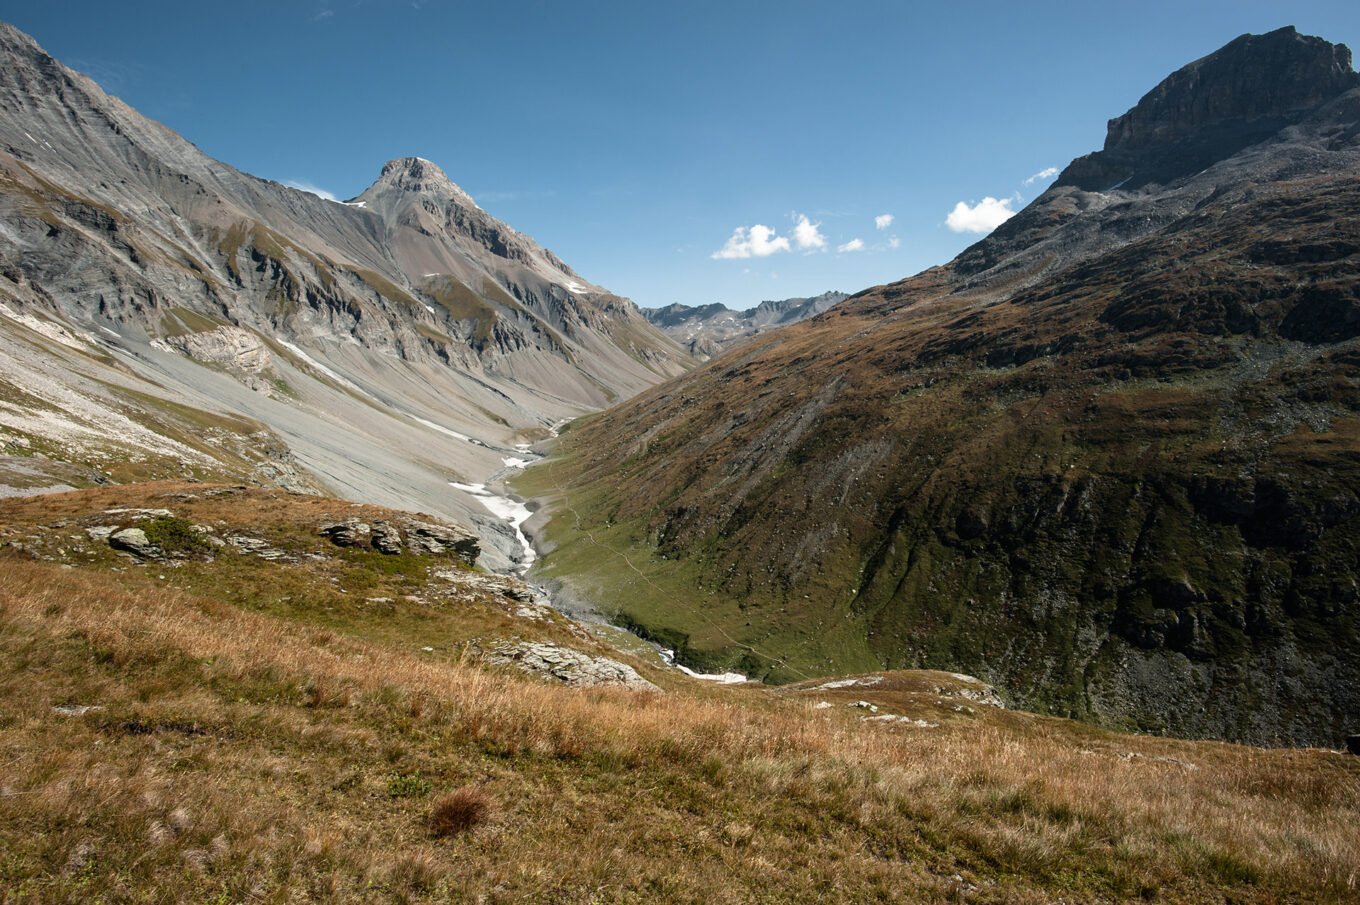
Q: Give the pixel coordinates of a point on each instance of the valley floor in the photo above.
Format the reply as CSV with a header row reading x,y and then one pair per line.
x,y
226,726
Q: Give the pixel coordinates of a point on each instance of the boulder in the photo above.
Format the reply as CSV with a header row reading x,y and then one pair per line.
x,y
349,533
134,541
571,667
386,538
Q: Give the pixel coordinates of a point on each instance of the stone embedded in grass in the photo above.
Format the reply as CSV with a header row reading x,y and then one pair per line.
x,y
566,665
138,514
134,541
75,709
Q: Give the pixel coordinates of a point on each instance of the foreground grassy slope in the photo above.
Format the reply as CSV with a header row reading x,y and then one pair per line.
x,y
277,731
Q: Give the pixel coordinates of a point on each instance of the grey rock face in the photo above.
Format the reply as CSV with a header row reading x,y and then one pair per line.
x,y
240,352
386,538
134,541
1214,107
349,533
426,537
571,667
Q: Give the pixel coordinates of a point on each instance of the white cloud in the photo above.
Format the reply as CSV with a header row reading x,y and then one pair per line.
x,y
852,245
757,242
308,187
894,242
883,221
807,235
1044,174
983,217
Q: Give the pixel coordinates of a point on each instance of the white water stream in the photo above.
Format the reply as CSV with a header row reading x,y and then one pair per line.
x,y
516,513
507,508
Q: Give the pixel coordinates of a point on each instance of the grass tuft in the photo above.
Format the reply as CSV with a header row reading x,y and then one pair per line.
x,y
459,811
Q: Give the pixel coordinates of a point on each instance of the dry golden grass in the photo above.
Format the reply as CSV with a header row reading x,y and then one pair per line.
x,y
240,756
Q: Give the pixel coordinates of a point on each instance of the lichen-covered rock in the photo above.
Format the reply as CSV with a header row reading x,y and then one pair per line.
x,y
571,667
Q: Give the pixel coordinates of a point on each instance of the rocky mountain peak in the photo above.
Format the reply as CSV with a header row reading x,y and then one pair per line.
x,y
1255,77
420,176
1239,95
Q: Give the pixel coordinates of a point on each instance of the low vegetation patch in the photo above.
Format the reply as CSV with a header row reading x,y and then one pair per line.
x,y
176,535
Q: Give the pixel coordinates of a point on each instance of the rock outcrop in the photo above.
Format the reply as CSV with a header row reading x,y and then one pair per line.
x,y
566,665
386,538
426,537
421,537
349,533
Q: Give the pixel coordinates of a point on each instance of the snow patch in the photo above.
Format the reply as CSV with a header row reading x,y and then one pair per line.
x,y
442,429
325,370
850,683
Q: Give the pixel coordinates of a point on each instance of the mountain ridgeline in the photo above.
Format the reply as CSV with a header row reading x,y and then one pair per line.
x,y
709,330
1107,459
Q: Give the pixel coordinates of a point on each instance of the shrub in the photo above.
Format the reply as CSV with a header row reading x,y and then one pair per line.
x,y
175,535
460,811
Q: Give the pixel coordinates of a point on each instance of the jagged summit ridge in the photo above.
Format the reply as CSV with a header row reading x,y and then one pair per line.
x,y
1208,110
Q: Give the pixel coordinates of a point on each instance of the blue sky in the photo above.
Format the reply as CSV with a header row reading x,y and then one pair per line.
x,y
674,152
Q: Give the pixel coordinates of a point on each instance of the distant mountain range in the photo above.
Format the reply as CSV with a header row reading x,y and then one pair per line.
x,y
163,314
708,330
1108,458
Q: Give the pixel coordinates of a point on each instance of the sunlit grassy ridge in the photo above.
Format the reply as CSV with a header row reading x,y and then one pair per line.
x,y
246,752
